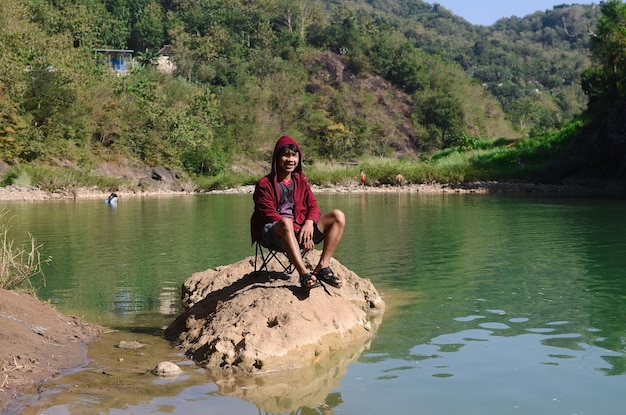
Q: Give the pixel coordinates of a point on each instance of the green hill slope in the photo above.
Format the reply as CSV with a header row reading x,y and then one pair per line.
x,y
350,80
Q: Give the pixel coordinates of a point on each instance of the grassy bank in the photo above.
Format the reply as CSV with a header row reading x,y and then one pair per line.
x,y
474,160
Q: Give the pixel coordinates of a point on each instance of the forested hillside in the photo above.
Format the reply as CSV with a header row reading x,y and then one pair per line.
x,y
348,79
532,65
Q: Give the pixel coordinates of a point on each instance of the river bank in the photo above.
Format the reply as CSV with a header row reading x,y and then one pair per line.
x,y
17,193
37,343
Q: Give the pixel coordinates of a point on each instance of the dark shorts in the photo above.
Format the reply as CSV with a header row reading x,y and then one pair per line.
x,y
270,238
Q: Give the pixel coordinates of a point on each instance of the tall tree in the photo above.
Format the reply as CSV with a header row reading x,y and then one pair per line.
x,y
148,31
608,81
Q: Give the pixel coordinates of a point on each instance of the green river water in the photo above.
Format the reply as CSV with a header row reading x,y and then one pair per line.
x,y
496,304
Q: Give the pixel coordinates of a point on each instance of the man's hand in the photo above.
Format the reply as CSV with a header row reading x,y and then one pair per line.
x,y
305,236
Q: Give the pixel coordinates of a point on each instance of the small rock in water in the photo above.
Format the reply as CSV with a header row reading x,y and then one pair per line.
x,y
130,345
167,369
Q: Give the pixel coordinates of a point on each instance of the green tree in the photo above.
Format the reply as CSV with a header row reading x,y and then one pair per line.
x,y
442,115
118,27
11,129
534,114
88,22
193,133
608,80
148,31
398,61
47,93
343,33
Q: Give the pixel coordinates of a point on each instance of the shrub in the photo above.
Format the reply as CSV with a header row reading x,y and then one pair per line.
x,y
18,265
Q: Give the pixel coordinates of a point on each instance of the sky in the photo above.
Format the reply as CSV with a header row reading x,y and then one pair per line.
x,y
486,12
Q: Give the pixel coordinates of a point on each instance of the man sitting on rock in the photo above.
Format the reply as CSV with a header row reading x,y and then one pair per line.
x,y
287,216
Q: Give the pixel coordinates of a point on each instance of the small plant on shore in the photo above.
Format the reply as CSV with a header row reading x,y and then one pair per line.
x,y
59,180
332,173
19,266
224,180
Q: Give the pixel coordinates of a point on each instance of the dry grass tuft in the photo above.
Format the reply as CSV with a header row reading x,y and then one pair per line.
x,y
18,265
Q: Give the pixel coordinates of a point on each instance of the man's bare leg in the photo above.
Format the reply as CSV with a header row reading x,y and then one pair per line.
x,y
284,229
332,225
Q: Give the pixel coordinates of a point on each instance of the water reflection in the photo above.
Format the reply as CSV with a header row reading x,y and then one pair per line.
x,y
119,381
292,391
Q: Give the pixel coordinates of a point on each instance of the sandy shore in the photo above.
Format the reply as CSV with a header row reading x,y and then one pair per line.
x,y
14,193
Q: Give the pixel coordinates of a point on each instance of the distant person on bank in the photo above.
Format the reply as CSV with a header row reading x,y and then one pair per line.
x,y
399,180
286,215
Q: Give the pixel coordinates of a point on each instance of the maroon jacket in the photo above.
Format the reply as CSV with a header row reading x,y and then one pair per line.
x,y
267,196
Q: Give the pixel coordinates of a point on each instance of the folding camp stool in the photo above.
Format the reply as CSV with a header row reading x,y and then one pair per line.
x,y
269,253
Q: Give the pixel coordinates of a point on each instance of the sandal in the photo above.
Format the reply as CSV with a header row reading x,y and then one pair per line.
x,y
328,276
307,282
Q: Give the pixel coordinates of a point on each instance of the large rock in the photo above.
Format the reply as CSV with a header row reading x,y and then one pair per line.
x,y
259,323
163,179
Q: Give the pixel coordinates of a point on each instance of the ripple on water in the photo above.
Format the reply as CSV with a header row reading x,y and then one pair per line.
x,y
494,326
540,330
469,318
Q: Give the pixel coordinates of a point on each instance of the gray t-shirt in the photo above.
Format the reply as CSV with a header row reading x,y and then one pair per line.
x,y
285,206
